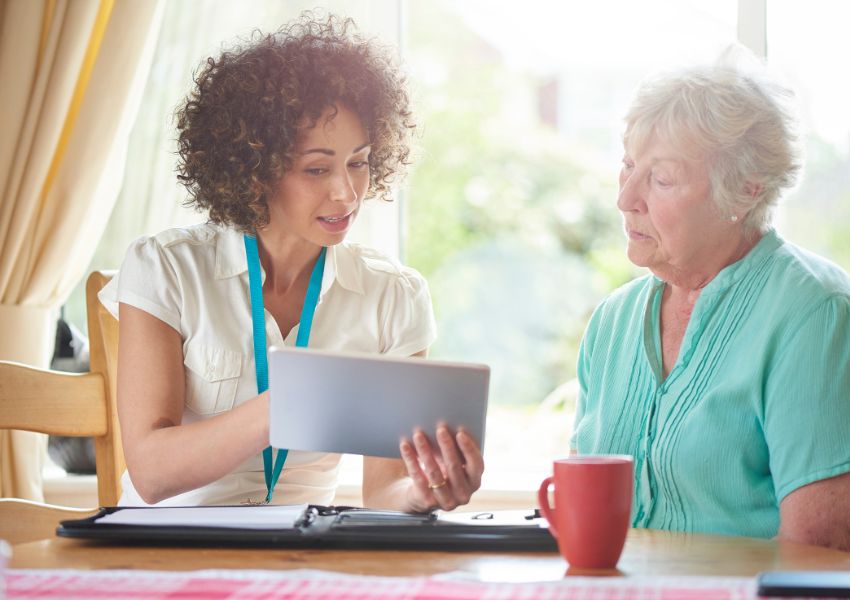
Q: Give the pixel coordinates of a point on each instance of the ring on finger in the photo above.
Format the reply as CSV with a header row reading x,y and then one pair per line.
x,y
436,486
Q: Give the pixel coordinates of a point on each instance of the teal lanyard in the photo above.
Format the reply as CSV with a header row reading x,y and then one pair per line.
x,y
261,361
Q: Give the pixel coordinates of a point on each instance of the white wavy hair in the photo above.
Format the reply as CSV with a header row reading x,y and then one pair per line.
x,y
741,125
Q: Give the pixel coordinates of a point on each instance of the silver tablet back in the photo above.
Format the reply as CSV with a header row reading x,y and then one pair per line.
x,y
364,404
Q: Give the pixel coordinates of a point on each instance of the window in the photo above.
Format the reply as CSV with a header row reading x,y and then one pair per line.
x,y
511,210
803,42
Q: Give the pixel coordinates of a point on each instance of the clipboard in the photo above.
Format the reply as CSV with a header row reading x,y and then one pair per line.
x,y
331,527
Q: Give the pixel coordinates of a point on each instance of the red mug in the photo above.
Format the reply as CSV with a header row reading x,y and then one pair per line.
x,y
592,511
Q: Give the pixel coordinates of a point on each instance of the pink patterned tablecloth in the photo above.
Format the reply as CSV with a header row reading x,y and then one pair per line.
x,y
321,585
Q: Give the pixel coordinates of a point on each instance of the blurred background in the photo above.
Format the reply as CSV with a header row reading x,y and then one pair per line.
x,y
509,210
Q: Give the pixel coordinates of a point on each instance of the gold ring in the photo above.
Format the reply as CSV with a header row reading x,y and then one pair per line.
x,y
435,486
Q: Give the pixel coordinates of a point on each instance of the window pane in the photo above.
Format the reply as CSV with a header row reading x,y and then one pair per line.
x,y
511,212
804,41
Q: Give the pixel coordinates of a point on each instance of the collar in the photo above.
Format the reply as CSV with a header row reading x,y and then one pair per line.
x,y
747,265
340,263
343,262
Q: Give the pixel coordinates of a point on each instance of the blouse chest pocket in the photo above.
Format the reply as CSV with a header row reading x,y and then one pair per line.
x,y
212,375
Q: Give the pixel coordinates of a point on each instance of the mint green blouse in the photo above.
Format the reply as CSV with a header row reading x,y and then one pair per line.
x,y
756,406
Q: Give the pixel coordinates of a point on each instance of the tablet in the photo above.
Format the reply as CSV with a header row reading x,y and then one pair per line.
x,y
364,404
808,584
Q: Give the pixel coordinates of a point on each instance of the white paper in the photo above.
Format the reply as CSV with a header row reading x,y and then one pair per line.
x,y
495,517
238,517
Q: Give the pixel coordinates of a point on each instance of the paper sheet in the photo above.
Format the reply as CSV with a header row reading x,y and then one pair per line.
x,y
496,517
240,517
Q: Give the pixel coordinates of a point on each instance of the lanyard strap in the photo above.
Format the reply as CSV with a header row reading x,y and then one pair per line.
x,y
258,319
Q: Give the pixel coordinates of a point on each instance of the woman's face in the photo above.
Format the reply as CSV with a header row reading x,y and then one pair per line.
x,y
671,223
320,196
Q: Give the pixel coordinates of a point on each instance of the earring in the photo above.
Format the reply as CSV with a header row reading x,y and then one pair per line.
x,y
733,218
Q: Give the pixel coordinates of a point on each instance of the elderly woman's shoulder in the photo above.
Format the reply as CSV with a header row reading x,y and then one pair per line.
x,y
810,275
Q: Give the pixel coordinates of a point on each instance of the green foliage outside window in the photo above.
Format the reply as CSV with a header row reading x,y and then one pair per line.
x,y
515,228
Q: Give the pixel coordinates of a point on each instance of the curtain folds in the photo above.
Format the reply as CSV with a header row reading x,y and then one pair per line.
x,y
71,78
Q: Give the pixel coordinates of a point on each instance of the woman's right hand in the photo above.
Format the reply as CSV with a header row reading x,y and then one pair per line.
x,y
446,479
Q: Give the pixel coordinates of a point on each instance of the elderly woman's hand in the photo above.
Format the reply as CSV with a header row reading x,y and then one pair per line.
x,y
446,479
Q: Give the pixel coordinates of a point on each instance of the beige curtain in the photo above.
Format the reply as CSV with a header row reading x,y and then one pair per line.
x,y
71,76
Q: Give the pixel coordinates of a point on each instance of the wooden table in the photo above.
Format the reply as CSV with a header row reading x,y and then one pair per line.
x,y
647,552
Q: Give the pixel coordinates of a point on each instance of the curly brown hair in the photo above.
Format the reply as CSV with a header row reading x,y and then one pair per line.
x,y
238,126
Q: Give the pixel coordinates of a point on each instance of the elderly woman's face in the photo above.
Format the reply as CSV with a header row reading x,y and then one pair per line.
x,y
670,221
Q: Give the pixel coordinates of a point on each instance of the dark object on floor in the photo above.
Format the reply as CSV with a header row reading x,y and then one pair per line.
x,y
71,354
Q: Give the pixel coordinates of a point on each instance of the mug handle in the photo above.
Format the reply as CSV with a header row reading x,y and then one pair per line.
x,y
545,509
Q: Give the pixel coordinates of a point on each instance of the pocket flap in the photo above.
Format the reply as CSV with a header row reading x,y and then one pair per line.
x,y
211,363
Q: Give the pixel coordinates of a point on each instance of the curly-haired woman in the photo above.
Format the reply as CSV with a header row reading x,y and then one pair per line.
x,y
280,142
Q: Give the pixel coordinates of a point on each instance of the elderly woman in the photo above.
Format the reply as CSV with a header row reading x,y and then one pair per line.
x,y
280,142
726,371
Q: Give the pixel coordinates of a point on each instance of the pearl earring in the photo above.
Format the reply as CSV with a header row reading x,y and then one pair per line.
x,y
733,218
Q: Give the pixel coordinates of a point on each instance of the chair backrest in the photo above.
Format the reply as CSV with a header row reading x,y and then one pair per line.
x,y
73,404
103,361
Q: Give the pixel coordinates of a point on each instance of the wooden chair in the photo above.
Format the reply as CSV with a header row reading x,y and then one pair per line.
x,y
72,404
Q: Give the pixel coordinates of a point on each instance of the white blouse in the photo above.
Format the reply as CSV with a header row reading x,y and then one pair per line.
x,y
195,280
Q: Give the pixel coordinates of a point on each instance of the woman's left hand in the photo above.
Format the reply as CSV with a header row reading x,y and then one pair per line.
x,y
446,479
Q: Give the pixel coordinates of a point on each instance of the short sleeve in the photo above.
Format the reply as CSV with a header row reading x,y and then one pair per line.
x,y
146,281
408,317
807,400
